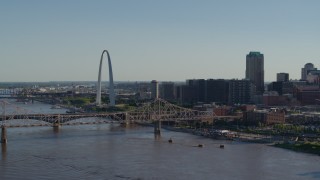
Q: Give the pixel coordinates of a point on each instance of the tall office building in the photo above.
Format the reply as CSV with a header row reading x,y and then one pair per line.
x,y
307,68
282,77
154,89
255,70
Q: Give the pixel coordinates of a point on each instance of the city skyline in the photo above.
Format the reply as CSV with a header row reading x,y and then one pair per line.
x,y
166,41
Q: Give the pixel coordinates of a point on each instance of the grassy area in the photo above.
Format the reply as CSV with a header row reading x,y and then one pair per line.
x,y
117,108
122,107
78,101
307,147
87,103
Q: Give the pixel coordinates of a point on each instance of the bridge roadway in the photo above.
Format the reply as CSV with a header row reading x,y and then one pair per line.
x,y
40,94
64,124
154,112
62,118
119,116
56,120
67,119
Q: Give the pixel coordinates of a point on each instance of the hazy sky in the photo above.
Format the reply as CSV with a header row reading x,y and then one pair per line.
x,y
42,40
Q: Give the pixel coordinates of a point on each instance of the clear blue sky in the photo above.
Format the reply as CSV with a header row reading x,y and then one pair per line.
x,y
43,40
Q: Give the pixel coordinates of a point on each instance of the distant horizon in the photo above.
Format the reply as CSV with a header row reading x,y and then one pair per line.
x,y
133,81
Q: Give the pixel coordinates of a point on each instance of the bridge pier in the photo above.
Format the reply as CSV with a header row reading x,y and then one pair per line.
x,y
3,135
56,124
127,119
157,127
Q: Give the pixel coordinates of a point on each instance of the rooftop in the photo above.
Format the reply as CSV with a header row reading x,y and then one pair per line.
x,y
255,53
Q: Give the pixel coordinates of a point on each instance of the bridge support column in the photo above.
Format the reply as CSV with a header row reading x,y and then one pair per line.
x,y
3,135
56,124
157,127
127,119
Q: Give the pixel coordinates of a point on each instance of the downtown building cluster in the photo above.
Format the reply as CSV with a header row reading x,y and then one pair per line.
x,y
250,90
222,91
257,101
218,91
285,92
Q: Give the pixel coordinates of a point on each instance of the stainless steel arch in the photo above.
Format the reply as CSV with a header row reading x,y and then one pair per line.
x,y
111,85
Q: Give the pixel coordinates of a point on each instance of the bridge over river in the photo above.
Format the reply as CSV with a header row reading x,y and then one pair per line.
x,y
153,112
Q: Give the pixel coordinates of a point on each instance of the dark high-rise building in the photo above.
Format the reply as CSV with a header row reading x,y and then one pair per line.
x,y
154,89
199,86
241,91
217,90
200,90
282,77
167,90
187,94
255,70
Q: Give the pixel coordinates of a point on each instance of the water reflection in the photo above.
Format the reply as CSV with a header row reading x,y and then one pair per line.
x,y
56,129
116,128
124,127
157,137
3,150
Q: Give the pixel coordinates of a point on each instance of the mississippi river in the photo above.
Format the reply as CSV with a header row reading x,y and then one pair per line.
x,y
110,151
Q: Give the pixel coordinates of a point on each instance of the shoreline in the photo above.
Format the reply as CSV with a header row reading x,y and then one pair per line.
x,y
233,136
303,147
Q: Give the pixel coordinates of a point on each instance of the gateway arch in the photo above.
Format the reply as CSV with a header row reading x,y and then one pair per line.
x,y
111,85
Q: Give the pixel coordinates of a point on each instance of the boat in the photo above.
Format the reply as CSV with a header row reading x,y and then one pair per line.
x,y
200,145
71,111
221,146
170,140
55,107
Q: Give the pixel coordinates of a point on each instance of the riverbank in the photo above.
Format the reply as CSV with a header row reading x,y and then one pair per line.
x,y
305,147
224,134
